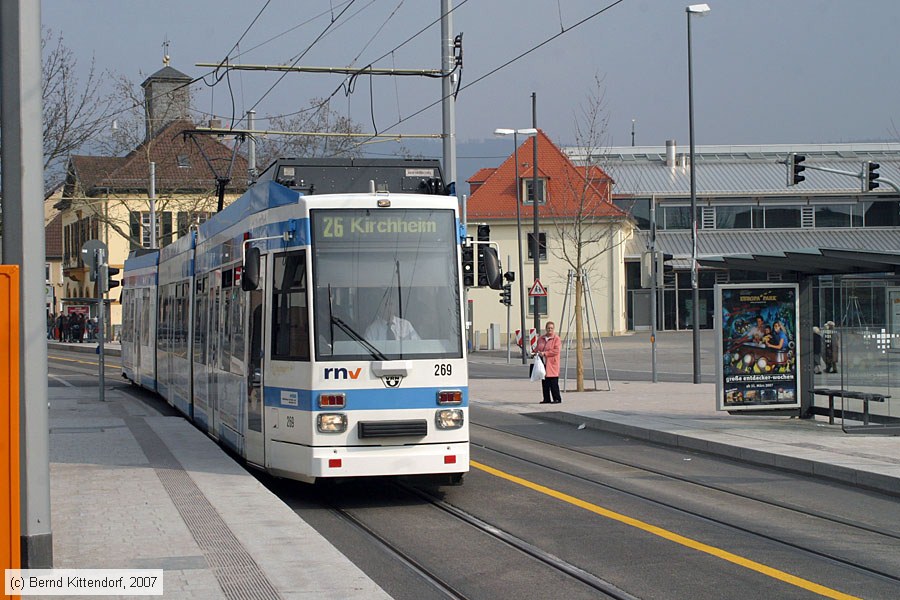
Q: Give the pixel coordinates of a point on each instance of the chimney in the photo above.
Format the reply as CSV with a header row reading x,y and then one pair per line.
x,y
670,153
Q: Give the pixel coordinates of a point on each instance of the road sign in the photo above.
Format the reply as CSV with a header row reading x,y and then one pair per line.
x,y
89,256
537,289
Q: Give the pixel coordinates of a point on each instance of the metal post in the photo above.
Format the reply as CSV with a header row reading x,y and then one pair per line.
x,y
23,245
153,205
251,147
695,287
654,286
102,284
522,298
536,244
508,311
448,102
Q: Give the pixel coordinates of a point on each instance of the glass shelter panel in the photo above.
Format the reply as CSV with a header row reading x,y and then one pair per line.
x,y
859,322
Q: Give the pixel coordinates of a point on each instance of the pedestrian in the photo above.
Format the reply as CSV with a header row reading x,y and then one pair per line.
x,y
548,348
817,350
831,346
63,328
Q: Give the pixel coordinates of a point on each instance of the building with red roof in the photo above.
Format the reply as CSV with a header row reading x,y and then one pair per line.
x,y
578,225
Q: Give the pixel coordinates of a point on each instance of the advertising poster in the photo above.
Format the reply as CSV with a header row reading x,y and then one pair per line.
x,y
758,346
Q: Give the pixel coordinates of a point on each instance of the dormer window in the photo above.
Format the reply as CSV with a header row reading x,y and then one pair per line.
x,y
528,191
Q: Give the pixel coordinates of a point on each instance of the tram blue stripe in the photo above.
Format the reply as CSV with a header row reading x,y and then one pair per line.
x,y
368,399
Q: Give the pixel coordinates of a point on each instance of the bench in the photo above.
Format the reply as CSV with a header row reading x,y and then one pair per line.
x,y
866,397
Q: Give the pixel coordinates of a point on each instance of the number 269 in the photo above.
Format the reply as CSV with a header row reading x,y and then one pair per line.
x,y
443,370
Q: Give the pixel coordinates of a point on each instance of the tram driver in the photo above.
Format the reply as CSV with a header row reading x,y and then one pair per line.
x,y
388,325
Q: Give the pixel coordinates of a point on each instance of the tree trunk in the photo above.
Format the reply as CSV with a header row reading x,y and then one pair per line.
x,y
579,336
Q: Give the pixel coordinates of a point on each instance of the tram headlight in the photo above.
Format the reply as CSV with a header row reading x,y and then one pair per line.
x,y
331,423
449,418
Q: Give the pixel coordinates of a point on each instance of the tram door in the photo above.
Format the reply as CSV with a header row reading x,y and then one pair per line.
x,y
254,441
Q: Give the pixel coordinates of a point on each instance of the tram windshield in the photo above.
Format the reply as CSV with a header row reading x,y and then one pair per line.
x,y
386,284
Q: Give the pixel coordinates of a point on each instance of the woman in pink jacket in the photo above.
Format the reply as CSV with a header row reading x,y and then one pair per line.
x,y
548,347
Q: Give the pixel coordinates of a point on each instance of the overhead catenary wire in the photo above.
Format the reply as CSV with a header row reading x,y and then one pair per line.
x,y
347,84
504,65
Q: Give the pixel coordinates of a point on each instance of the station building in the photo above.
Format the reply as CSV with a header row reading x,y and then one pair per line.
x,y
746,206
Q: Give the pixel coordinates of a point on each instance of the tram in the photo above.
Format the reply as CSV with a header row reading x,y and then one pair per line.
x,y
312,327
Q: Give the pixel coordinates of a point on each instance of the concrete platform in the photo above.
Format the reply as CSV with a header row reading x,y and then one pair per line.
x,y
132,489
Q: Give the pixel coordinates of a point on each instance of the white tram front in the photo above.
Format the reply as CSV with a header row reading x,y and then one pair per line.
x,y
316,335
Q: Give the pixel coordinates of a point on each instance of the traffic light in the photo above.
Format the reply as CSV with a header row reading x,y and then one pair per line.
x,y
468,265
794,168
483,237
506,295
663,268
104,280
870,176
111,283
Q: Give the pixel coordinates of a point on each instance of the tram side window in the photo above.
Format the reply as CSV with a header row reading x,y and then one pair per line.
x,y
290,317
126,318
145,318
237,329
200,305
183,320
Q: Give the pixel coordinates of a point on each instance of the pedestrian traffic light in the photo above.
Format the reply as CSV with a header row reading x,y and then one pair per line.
x,y
111,283
794,168
870,176
468,265
506,295
105,281
663,267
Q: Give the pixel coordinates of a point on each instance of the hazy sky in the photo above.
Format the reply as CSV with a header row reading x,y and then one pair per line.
x,y
765,71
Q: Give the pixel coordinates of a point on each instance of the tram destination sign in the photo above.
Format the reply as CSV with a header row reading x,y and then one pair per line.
x,y
372,225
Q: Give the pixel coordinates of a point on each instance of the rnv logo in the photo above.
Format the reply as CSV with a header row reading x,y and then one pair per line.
x,y
342,373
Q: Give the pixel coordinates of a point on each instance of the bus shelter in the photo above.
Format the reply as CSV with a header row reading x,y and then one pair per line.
x,y
854,297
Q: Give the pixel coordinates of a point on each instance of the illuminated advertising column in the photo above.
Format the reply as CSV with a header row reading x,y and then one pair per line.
x,y
758,346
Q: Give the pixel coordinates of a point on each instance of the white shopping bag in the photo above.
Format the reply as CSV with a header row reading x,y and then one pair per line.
x,y
538,371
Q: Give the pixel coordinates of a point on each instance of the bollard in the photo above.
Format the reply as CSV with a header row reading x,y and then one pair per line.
x,y
10,553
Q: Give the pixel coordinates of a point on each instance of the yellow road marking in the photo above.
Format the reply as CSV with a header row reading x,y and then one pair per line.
x,y
671,536
82,362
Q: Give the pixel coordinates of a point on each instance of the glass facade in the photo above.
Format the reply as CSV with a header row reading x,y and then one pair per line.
x,y
768,213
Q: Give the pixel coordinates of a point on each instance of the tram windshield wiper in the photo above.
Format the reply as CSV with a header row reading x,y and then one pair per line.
x,y
346,328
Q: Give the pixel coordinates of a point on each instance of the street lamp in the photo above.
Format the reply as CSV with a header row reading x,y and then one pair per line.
x,y
515,133
700,10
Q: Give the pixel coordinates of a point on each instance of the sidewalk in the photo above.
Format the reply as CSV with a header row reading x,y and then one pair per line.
x,y
133,489
684,415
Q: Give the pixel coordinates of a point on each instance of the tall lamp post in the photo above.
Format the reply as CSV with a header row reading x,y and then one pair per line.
x,y
515,133
701,10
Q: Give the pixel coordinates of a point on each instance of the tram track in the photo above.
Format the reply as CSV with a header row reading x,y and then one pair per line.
x,y
825,518
447,589
431,578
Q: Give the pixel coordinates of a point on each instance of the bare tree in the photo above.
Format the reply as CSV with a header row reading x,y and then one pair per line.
x,y
318,118
186,170
75,111
586,222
